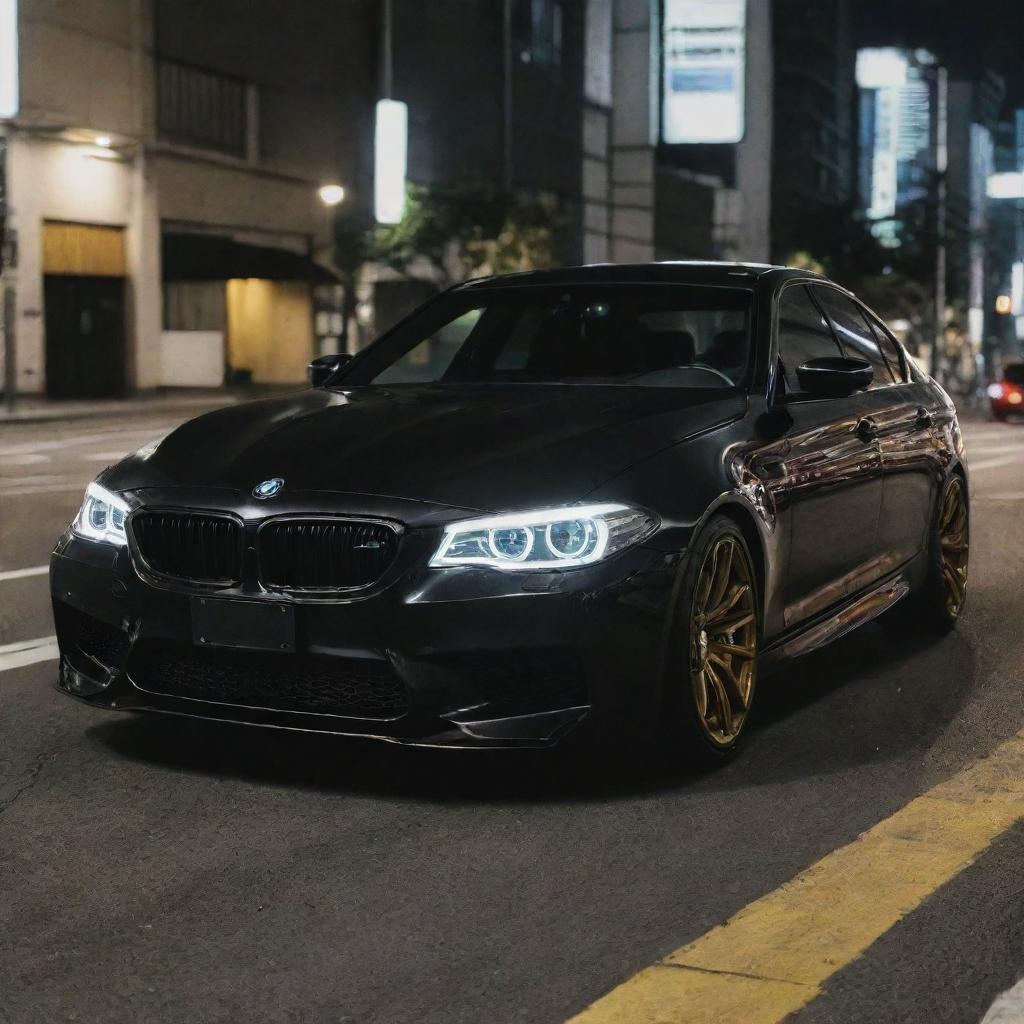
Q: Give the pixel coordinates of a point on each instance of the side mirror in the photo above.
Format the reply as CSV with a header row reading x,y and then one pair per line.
x,y
323,368
832,377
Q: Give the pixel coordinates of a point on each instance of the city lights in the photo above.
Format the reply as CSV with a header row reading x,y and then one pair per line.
x,y
390,140
331,195
1004,305
881,69
1008,185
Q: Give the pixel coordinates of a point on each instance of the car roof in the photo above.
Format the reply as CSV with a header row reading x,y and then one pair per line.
x,y
668,271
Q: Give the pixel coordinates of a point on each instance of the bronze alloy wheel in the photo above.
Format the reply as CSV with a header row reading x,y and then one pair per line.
x,y
723,641
953,533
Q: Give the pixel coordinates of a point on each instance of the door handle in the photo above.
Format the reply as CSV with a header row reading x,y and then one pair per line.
x,y
866,428
924,419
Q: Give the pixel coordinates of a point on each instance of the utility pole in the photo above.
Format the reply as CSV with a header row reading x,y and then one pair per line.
x,y
941,164
10,355
507,58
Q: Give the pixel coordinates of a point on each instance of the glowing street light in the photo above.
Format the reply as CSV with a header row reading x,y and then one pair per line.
x,y
331,195
104,141
389,147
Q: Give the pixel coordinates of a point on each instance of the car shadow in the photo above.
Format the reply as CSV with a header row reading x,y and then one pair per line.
x,y
872,696
875,695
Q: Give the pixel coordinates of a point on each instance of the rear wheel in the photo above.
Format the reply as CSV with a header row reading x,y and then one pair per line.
x,y
710,685
936,607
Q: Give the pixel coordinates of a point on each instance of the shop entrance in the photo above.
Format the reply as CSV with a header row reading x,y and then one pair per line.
x,y
84,306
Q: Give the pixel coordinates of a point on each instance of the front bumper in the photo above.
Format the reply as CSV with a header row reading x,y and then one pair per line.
x,y
447,658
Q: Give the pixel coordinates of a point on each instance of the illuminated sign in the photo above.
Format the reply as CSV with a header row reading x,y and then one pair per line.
x,y
8,58
390,140
703,71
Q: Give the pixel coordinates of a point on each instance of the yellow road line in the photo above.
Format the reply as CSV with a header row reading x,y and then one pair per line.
x,y
774,956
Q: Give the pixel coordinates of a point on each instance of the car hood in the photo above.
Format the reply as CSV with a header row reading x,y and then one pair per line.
x,y
487,447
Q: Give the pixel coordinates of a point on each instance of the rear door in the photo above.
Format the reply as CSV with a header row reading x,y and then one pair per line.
x,y
902,425
830,476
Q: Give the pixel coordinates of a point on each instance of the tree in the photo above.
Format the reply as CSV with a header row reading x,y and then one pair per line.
x,y
451,233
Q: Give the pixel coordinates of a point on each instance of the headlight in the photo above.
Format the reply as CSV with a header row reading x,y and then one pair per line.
x,y
559,538
101,516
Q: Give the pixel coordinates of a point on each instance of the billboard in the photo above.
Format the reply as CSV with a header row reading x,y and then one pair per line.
x,y
703,62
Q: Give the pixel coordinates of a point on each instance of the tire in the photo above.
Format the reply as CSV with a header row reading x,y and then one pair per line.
x,y
999,417
711,671
936,607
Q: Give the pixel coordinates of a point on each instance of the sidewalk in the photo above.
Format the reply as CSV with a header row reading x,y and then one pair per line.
x,y
34,408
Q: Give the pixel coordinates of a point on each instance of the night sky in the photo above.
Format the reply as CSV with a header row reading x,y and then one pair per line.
x,y
969,35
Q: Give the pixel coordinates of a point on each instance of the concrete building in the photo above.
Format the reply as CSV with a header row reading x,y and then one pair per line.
x,y
162,187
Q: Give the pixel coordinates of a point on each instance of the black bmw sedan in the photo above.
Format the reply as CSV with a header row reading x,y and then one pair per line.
x,y
594,502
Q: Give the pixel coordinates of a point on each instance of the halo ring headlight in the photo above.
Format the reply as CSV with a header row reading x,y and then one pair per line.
x,y
557,538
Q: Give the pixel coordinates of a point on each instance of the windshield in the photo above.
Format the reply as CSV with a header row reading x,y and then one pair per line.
x,y
1014,373
655,335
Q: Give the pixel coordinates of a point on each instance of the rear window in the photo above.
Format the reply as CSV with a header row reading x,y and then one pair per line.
x,y
1014,373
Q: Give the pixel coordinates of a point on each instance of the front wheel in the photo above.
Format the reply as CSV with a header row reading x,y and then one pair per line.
x,y
713,670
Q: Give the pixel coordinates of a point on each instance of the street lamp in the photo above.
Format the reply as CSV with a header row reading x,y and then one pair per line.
x,y
331,194
389,152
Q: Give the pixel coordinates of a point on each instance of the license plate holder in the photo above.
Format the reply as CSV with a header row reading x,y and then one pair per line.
x,y
245,625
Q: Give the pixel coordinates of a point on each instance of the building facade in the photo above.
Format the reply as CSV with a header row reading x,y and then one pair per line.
x,y
166,161
163,216
813,156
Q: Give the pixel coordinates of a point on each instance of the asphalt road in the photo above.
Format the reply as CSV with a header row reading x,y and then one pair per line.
x,y
161,870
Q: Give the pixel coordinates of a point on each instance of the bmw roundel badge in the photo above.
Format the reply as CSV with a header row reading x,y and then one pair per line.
x,y
268,488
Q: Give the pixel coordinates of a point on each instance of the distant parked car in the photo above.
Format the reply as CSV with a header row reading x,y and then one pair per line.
x,y
1007,395
600,499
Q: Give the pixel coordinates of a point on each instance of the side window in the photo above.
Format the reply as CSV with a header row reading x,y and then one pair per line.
x,y
856,337
803,334
889,348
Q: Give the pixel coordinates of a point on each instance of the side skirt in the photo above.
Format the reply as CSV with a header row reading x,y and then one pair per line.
x,y
838,623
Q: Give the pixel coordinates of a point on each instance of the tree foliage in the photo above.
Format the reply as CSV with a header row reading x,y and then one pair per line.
x,y
451,233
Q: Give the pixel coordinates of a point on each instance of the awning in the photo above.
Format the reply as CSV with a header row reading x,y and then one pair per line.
x,y
218,258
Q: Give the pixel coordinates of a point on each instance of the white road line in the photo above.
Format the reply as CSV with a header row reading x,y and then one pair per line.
x,y
16,492
132,438
994,449
1008,1008
28,652
20,574
25,460
36,480
1001,460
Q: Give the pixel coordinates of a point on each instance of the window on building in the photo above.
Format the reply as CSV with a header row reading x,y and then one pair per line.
x,y
804,334
193,306
201,108
537,31
855,336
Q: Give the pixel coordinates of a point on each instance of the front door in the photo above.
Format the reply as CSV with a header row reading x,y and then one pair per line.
x,y
829,478
85,336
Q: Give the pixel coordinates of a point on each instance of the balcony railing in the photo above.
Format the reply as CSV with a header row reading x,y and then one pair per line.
x,y
197,107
